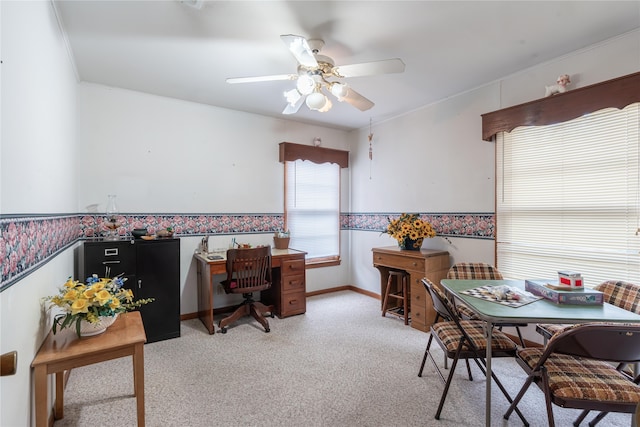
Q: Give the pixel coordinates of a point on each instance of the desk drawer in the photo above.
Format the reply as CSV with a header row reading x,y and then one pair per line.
x,y
419,307
295,266
399,261
435,263
293,303
293,283
108,259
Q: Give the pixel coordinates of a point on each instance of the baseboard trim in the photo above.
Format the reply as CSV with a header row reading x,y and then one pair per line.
x,y
344,288
194,315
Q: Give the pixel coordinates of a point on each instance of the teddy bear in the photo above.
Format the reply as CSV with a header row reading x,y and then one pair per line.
x,y
559,87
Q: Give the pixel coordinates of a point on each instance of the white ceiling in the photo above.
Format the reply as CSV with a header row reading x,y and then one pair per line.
x,y
186,50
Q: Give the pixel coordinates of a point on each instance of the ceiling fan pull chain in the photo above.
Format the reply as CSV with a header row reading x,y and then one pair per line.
x,y
370,148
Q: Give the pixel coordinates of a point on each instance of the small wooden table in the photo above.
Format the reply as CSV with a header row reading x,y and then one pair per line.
x,y
63,351
429,263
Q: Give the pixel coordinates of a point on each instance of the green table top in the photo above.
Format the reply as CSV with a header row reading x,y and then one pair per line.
x,y
541,311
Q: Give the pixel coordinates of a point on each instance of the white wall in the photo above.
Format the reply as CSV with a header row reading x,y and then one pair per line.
x,y
164,155
38,113
434,159
161,155
37,175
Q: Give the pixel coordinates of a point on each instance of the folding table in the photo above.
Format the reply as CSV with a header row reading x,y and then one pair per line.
x,y
541,311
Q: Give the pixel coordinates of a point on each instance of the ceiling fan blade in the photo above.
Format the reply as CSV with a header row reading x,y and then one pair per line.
x,y
300,49
357,100
387,66
292,109
234,80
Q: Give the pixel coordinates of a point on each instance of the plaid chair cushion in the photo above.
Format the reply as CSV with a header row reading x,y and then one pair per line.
x,y
449,334
471,271
465,312
577,378
474,271
441,294
621,294
443,298
550,329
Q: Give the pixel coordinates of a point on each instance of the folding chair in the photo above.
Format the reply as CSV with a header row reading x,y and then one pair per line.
x,y
574,369
622,294
479,271
463,339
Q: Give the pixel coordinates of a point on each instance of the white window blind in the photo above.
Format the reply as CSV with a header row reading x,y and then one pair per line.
x,y
312,207
567,198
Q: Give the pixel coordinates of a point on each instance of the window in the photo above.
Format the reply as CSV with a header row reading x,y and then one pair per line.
x,y
567,198
312,208
312,200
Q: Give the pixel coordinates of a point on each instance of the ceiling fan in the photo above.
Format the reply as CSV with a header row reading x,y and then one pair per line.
x,y
318,72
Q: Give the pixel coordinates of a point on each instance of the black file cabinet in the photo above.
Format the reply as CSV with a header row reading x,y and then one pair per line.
x,y
152,269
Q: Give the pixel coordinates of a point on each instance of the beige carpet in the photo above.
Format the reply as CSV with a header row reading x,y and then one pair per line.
x,y
340,364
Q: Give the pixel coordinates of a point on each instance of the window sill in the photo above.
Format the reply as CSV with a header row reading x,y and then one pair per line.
x,y
322,262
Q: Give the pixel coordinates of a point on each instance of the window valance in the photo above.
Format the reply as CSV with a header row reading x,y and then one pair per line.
x,y
290,152
562,107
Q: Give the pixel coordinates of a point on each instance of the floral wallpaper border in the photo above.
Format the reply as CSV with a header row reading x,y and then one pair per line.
x,y
27,242
468,225
186,224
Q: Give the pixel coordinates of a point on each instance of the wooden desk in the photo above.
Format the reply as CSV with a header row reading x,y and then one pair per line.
x,y
65,351
287,293
428,263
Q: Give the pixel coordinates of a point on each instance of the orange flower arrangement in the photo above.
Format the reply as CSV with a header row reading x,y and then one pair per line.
x,y
409,226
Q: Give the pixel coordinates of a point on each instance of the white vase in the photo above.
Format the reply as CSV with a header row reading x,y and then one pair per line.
x,y
88,329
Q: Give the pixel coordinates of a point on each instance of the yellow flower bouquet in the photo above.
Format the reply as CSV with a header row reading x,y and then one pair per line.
x,y
409,230
98,298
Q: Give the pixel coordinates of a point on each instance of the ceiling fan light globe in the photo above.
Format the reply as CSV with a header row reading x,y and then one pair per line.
x,y
339,90
316,101
305,84
327,105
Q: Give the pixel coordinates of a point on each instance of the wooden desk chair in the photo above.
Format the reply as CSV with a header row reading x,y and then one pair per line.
x,y
479,271
573,370
463,339
248,271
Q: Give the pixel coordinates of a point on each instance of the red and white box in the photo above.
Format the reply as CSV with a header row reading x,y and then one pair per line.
x,y
570,278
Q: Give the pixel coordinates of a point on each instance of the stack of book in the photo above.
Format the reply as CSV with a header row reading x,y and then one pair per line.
x,y
563,294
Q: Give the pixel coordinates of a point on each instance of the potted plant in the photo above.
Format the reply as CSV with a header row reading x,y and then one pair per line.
x,y
281,239
92,307
409,230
